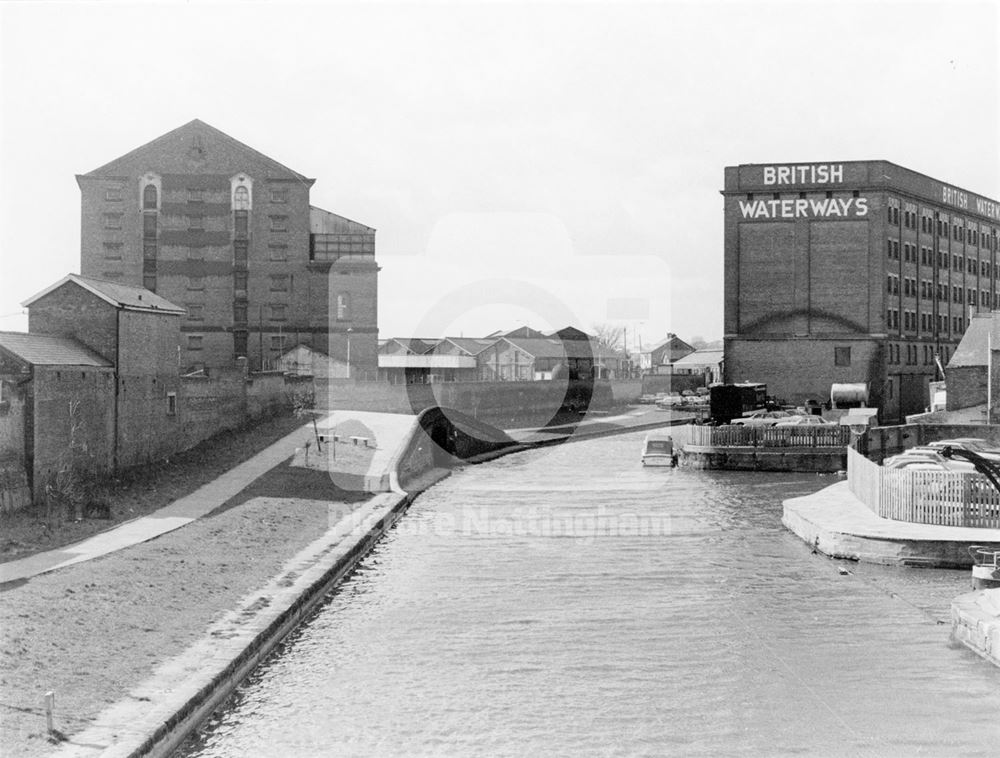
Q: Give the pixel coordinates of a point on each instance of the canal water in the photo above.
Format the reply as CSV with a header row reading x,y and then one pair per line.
x,y
568,602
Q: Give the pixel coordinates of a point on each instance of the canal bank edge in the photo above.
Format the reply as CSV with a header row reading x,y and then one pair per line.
x,y
975,622
839,525
155,718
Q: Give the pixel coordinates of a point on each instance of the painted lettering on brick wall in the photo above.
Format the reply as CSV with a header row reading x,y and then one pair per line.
x,y
827,207
821,173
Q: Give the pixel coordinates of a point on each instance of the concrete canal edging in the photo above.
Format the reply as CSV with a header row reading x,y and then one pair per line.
x,y
156,717
837,524
975,622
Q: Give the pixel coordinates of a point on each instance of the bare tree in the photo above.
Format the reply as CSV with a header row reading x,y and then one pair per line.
x,y
611,337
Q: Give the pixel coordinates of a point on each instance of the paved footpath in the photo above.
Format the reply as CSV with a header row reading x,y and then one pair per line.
x,y
388,428
199,503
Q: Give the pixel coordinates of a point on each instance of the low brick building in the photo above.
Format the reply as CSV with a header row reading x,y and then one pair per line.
x,y
57,411
138,333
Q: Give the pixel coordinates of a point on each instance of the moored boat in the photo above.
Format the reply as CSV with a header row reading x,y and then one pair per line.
x,y
658,450
985,567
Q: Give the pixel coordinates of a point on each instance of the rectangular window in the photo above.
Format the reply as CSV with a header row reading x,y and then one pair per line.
x,y
112,221
240,313
279,223
113,194
240,281
196,195
113,251
194,342
240,251
195,311
278,342
196,223
149,225
279,283
196,283
278,312
149,250
171,403
149,281
278,252
240,223
239,344
279,194
842,356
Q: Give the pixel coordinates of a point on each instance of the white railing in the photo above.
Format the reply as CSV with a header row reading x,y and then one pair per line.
x,y
762,436
924,497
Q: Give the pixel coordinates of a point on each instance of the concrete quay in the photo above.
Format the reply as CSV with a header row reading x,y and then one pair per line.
x,y
837,524
975,622
746,458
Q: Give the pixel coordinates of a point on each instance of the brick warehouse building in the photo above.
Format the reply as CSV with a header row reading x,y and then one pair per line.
x,y
861,271
228,234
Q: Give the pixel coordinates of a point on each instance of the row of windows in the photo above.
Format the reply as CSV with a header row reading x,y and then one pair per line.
x,y
928,290
928,258
150,196
195,223
924,353
959,231
275,311
928,322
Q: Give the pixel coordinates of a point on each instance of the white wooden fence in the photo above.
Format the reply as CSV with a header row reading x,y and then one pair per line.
x,y
924,497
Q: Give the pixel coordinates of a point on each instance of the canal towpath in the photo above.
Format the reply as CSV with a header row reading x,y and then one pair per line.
x,y
390,428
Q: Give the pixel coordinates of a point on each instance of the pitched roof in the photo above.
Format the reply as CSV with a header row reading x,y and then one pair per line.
x,y
972,350
470,345
413,345
120,295
701,358
46,350
195,128
670,338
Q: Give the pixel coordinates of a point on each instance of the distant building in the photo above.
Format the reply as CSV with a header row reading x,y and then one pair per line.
x,y
229,233
657,357
302,360
852,272
705,363
968,373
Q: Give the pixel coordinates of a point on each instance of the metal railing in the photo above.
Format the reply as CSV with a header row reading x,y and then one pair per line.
x,y
764,436
944,498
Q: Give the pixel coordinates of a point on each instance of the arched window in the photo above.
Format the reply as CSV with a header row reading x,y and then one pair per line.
x,y
149,197
241,199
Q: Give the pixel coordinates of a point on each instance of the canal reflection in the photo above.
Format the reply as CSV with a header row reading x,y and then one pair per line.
x,y
567,602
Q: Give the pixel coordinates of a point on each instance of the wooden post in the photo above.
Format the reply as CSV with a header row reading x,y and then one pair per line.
x,y
50,701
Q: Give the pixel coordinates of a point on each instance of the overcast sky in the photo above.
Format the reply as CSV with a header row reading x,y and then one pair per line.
x,y
539,164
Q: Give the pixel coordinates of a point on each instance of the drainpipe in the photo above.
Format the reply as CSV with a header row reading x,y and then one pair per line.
x,y
116,375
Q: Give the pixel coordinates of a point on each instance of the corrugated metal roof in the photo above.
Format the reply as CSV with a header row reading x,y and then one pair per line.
x,y
120,295
46,350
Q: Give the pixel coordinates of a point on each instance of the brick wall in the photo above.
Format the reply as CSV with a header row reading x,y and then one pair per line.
x,y
73,421
15,493
72,311
966,386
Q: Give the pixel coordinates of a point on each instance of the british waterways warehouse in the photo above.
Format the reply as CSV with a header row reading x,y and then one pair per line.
x,y
861,271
